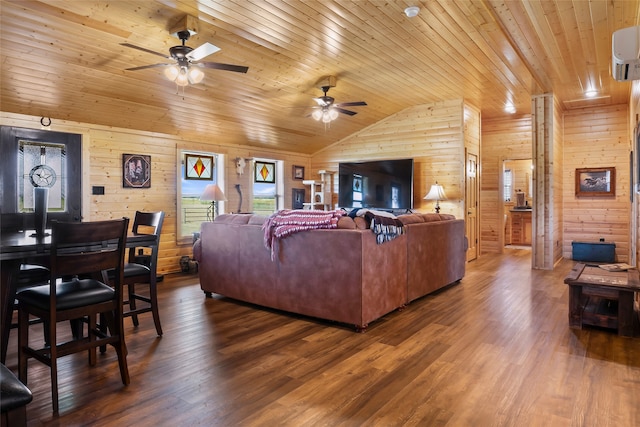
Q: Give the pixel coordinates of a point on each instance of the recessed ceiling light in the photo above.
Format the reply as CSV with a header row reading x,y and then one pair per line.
x,y
509,108
412,11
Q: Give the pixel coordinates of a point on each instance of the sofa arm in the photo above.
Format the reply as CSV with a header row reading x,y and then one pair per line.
x,y
197,250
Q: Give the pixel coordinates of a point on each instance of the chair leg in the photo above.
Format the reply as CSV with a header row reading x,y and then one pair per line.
x,y
76,328
23,341
132,303
153,296
116,326
91,333
53,360
102,327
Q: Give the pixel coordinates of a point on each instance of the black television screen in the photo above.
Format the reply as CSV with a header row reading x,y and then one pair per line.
x,y
382,184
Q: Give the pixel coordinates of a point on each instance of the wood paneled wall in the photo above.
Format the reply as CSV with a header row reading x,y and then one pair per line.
x,y
102,166
502,139
597,137
431,134
634,120
556,219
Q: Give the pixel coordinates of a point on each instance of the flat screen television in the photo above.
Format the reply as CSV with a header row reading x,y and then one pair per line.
x,y
383,184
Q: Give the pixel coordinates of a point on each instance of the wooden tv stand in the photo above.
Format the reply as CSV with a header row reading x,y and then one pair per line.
x,y
603,298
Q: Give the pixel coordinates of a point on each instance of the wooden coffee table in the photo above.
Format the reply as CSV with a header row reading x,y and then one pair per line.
x,y
603,298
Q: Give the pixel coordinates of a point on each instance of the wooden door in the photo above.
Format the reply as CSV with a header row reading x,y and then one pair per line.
x,y
472,206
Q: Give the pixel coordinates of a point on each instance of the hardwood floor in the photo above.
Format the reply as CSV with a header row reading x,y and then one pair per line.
x,y
494,350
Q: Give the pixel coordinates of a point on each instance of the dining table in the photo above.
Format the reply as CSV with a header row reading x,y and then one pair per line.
x,y
22,247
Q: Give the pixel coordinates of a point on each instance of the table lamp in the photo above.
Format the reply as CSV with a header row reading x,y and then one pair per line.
x,y
436,193
214,193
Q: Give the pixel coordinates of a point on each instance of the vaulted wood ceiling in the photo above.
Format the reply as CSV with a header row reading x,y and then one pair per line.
x,y
64,60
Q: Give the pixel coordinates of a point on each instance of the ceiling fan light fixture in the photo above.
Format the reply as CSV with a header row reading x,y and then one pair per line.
x,y
172,72
325,117
333,114
195,75
183,78
317,114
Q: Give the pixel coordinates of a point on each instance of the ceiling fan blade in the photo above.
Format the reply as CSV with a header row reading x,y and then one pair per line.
x,y
343,111
324,101
144,67
226,67
351,104
202,51
145,50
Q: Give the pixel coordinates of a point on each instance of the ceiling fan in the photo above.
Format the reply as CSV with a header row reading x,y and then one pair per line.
x,y
327,110
186,66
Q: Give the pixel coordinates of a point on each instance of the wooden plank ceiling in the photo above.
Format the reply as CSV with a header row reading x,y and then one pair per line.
x,y
64,60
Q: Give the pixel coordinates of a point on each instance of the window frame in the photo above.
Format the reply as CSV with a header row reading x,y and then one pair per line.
x,y
217,178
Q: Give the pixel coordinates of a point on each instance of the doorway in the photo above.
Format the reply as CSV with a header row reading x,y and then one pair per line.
x,y
472,206
516,203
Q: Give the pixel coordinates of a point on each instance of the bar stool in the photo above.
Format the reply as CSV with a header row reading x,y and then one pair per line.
x,y
81,253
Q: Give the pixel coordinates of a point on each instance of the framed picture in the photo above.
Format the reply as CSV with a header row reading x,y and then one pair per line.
x,y
198,167
265,172
297,198
596,182
136,171
298,172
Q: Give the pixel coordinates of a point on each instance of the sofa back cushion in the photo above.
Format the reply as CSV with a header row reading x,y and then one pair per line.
x,y
417,218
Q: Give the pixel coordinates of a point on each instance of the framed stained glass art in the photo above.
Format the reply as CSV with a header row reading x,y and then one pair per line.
x,y
198,167
265,172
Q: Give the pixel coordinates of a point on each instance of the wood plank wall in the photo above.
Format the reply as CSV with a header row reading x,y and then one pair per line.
x,y
582,138
431,134
556,218
102,166
634,119
502,139
593,138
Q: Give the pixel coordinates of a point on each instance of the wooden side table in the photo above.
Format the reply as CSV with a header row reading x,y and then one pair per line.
x,y
603,298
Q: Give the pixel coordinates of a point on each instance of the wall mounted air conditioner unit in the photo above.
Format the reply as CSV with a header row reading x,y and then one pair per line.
x,y
626,54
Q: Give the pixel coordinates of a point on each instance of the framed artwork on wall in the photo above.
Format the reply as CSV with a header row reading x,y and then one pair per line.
x,y
596,182
136,171
265,172
297,198
298,172
198,167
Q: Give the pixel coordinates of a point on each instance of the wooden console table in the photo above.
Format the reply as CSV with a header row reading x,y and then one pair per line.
x,y
603,298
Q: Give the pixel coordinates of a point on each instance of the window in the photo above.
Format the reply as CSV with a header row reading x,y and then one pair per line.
x,y
196,171
268,186
508,184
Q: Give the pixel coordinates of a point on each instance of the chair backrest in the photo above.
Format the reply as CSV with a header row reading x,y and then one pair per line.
x,y
83,248
148,223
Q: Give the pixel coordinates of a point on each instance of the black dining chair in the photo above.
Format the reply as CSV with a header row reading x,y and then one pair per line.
x,y
78,288
140,270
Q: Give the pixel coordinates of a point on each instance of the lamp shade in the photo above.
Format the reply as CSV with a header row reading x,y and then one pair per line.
x,y
213,192
436,193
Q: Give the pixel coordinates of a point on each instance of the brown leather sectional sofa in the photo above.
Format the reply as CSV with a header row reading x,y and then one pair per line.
x,y
339,274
